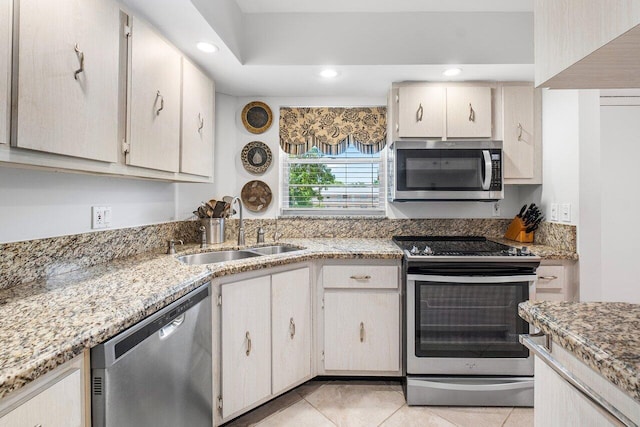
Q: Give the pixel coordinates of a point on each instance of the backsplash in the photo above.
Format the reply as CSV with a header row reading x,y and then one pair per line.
x,y
32,260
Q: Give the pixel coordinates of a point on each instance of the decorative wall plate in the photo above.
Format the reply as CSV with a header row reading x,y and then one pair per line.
x,y
256,117
256,196
256,157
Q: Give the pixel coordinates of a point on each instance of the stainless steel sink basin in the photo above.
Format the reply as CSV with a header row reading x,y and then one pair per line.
x,y
218,256
273,250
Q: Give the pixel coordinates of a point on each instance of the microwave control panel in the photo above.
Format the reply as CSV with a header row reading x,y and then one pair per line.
x,y
496,170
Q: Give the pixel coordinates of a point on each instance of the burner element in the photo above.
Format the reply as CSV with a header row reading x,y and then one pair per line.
x,y
456,246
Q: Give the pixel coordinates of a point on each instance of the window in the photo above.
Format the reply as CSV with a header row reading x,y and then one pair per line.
x,y
321,184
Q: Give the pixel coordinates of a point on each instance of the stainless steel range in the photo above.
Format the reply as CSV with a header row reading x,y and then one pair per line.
x,y
462,323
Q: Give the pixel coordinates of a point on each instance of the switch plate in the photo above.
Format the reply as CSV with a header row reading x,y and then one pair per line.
x,y
100,216
496,209
565,212
554,211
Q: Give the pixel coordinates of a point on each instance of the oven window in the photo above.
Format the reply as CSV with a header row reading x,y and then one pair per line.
x,y
469,320
452,170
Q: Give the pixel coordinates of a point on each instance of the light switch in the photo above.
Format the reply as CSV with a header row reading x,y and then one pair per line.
x,y
100,216
554,211
565,212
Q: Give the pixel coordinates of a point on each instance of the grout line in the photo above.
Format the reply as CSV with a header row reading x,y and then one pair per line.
x,y
506,419
392,414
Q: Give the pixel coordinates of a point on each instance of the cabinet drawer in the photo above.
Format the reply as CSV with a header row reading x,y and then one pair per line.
x,y
360,276
550,277
57,406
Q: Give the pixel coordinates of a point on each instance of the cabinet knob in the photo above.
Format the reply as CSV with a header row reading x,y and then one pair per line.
x,y
363,277
519,131
361,331
81,59
419,113
472,114
547,277
159,96
292,328
200,122
248,338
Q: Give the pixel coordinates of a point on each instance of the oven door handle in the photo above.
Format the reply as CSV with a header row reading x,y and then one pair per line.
x,y
510,385
486,185
472,279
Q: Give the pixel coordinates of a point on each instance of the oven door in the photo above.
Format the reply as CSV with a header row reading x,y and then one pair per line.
x,y
467,325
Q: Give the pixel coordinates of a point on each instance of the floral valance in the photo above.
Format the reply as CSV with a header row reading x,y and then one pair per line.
x,y
332,129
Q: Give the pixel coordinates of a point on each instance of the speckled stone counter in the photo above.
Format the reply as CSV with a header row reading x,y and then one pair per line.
x,y
46,323
543,251
603,335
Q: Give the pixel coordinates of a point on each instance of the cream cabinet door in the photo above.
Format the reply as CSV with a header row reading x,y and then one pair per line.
x,y
290,328
68,66
420,112
246,343
518,132
196,155
154,101
5,68
60,405
361,331
468,112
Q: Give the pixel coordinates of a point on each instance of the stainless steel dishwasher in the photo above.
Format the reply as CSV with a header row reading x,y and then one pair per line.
x,y
158,372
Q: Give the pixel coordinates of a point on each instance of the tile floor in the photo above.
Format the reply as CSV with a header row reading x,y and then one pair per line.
x,y
367,404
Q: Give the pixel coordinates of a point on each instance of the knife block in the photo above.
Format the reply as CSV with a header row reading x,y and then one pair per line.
x,y
516,231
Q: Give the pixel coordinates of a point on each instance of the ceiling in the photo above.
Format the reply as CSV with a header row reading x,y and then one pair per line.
x,y
278,48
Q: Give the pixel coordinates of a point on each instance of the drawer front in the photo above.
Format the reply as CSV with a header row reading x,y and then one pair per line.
x,y
550,277
360,276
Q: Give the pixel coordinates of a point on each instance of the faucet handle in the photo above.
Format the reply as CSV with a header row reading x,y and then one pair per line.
x,y
171,246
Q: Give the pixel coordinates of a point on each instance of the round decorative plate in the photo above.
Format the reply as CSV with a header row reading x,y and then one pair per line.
x,y
256,117
256,196
256,157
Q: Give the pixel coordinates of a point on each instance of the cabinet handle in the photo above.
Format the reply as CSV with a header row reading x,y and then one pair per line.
x,y
519,132
419,113
367,277
81,59
292,328
200,122
472,114
158,95
547,277
361,331
248,337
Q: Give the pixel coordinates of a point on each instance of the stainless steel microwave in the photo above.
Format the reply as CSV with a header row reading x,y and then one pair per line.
x,y
445,170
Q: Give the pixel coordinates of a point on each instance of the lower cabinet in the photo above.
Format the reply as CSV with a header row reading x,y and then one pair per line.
x,y
361,324
557,281
54,400
265,338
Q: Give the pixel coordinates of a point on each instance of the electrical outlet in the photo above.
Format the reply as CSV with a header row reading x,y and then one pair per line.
x,y
100,216
554,211
565,212
496,209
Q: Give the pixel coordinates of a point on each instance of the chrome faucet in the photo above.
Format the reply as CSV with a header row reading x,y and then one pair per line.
x,y
171,246
240,224
276,234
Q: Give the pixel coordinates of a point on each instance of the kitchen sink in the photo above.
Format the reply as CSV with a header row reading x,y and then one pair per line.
x,y
218,256
273,250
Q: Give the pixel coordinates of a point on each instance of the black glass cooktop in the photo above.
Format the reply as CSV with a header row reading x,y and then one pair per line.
x,y
453,246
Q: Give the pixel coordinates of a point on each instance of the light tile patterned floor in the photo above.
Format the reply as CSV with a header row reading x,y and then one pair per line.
x,y
370,404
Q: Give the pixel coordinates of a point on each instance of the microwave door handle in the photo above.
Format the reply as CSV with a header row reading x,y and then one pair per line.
x,y
487,170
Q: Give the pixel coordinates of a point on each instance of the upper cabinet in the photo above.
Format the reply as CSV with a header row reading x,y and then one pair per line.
x,y
468,112
154,101
67,82
520,135
421,112
197,121
586,44
5,69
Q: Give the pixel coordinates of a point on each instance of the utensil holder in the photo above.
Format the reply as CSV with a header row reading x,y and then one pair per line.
x,y
214,229
517,232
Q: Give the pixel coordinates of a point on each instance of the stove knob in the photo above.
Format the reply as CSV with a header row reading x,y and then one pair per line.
x,y
513,251
427,251
525,251
414,250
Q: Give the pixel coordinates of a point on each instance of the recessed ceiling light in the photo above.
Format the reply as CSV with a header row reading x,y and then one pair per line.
x,y
329,73
207,47
452,72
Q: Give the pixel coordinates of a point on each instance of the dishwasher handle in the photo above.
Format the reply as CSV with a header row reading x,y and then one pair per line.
x,y
170,328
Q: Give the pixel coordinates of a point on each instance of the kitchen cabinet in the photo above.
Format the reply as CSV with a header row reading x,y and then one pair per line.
x,y
67,82
421,112
521,135
290,328
585,44
5,69
196,148
557,281
361,308
246,343
154,100
57,399
468,112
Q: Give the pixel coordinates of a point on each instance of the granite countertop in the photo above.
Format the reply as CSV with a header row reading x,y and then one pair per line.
x,y
604,335
44,324
543,251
